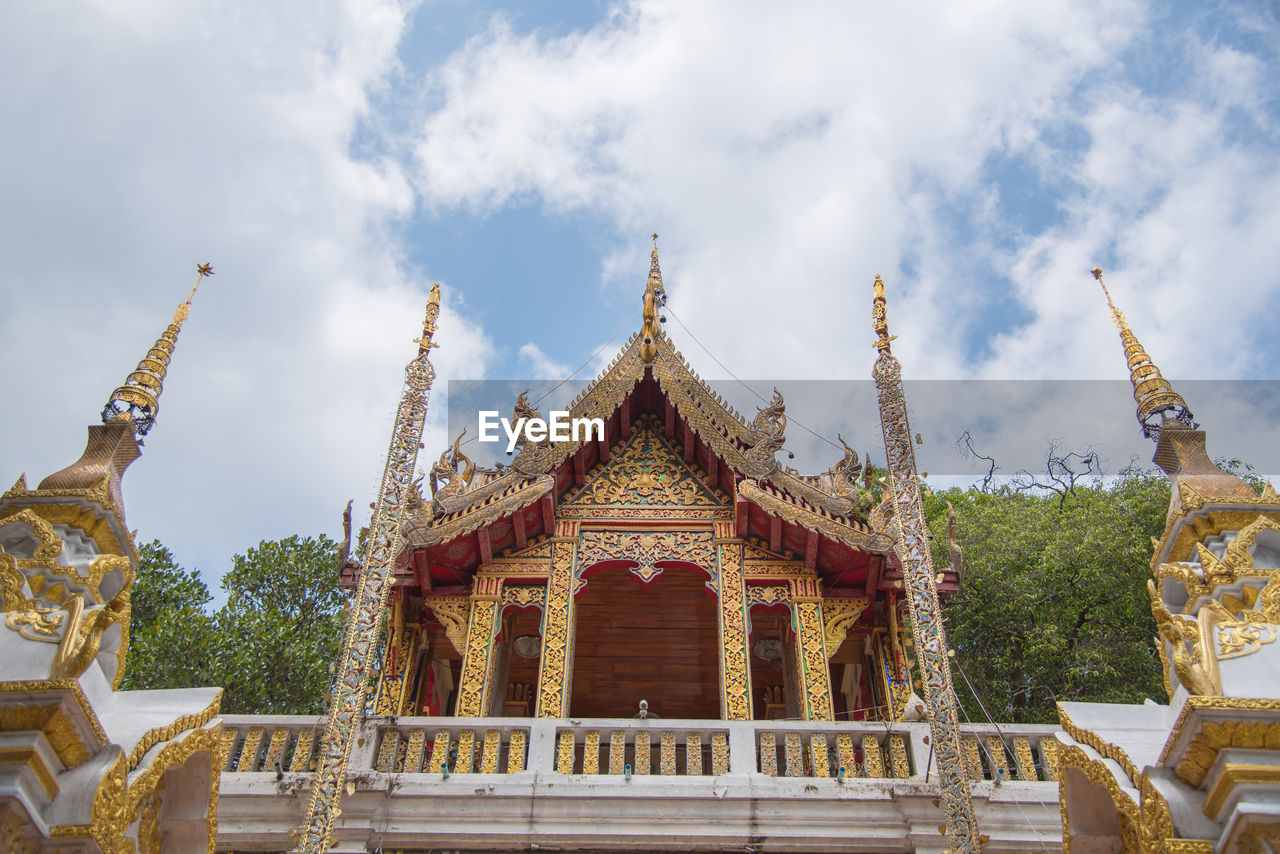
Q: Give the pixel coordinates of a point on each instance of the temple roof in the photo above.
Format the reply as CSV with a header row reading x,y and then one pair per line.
x,y
726,448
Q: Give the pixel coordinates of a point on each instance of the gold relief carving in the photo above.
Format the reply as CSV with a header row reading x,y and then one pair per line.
x,y
387,750
393,674
1050,750
302,750
275,749
667,755
454,613
54,723
898,756
524,594
813,660
26,755
477,664
1259,839
463,522
175,754
226,743
47,686
844,750
774,571
693,754
1025,759
591,752
93,524
466,751
489,755
838,616
413,751
641,749
564,752
735,693
818,755
871,757
1098,773
646,548
646,472
995,755
617,751
768,594
1235,774
769,754
1217,735
170,731
515,752
440,751
1199,527
249,750
14,835
553,676
1190,646
719,753
972,757
148,819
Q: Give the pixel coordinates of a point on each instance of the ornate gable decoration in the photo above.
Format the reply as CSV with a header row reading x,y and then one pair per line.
x,y
646,474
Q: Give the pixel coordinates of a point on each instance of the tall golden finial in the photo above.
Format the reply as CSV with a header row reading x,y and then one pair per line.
x,y
429,322
655,297
138,400
879,319
1159,406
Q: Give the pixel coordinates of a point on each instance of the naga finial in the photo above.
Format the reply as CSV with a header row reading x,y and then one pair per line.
x,y
879,318
429,322
1157,402
655,297
138,399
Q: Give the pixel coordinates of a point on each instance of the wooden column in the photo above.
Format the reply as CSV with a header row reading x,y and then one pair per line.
x,y
735,678
556,664
811,649
477,660
397,661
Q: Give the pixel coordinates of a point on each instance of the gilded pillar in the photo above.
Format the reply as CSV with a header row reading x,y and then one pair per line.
x,y
397,662
477,661
811,648
555,668
735,678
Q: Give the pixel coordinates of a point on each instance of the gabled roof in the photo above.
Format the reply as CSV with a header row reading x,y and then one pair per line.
x,y
833,504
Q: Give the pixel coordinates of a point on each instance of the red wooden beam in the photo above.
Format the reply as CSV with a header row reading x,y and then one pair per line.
x,y
690,443
517,522
740,506
775,533
875,567
811,550
669,426
579,468
486,547
624,418
604,444
422,572
548,514
713,468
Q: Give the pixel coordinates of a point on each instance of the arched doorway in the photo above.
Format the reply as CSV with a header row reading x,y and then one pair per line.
x,y
655,641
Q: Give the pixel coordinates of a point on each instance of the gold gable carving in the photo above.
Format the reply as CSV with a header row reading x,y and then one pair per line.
x,y
645,472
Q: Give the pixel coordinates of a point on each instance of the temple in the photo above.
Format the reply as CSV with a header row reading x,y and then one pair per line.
x,y
658,637
674,560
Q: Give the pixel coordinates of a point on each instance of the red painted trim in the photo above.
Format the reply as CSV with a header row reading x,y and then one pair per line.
x,y
811,550
775,534
486,547
517,522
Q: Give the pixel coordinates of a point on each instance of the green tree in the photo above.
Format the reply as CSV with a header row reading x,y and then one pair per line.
x,y
281,627
1053,603
171,635
269,647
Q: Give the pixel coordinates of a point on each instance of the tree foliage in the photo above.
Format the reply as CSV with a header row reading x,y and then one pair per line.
x,y
1053,603
269,647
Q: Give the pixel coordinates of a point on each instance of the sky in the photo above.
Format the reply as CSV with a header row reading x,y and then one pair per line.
x,y
333,158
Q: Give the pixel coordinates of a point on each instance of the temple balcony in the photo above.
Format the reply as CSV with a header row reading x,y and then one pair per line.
x,y
508,784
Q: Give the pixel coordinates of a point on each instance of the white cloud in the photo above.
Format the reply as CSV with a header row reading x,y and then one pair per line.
x,y
151,137
539,365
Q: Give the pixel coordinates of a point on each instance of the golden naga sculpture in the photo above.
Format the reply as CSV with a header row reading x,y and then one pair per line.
x,y
655,297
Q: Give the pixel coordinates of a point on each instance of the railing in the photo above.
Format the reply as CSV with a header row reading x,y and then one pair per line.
x,y
639,748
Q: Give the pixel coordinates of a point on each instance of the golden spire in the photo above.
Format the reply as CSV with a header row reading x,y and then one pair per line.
x,y
138,400
879,319
655,297
429,322
1159,406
